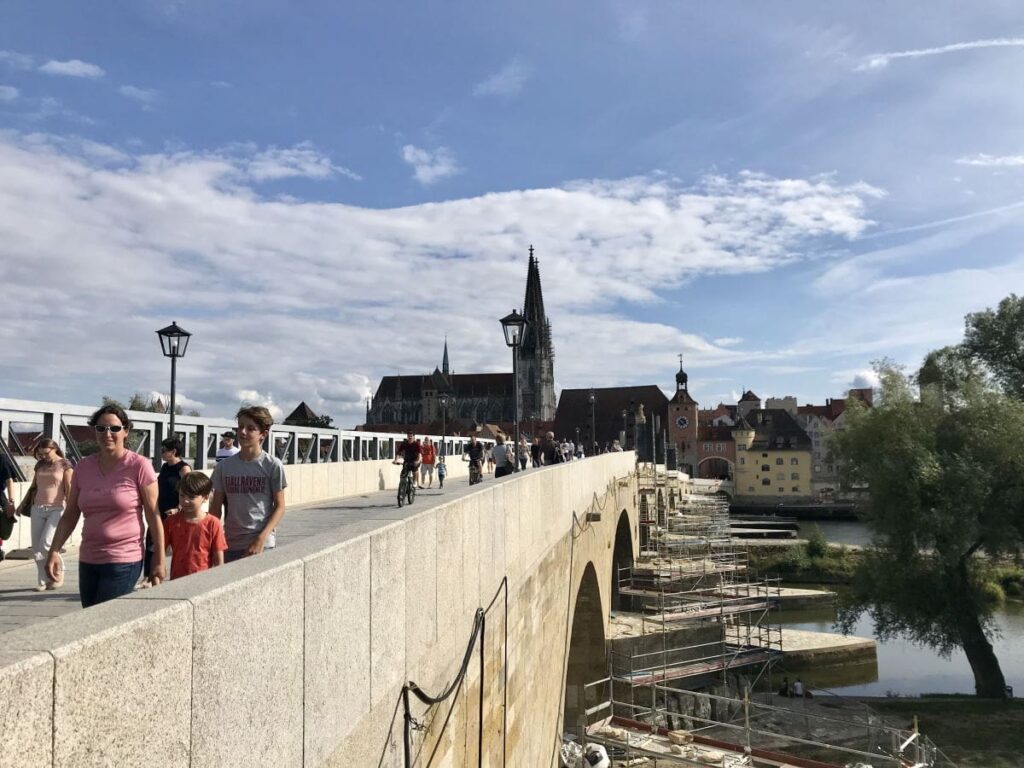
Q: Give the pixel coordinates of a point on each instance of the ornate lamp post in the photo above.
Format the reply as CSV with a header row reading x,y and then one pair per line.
x,y
578,446
173,342
592,397
513,326
443,400
625,427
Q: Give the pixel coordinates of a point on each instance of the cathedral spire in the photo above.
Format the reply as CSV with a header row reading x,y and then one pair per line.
x,y
444,362
536,333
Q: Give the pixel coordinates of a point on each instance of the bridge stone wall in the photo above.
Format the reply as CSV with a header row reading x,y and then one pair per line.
x,y
298,657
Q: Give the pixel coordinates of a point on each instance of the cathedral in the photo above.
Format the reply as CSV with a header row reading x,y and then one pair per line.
x,y
477,397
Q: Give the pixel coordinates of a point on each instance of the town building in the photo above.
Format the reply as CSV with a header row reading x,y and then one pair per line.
x,y
614,414
773,456
414,401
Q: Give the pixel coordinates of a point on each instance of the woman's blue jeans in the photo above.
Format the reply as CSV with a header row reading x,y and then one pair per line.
x,y
99,582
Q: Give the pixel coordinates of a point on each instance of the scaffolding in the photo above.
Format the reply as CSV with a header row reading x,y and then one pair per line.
x,y
744,732
701,614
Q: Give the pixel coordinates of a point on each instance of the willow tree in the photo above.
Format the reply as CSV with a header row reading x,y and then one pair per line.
x,y
944,465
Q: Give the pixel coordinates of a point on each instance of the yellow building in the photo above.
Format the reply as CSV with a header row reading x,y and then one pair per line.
x,y
773,457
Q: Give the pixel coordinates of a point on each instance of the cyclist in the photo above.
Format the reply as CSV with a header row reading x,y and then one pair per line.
x,y
410,450
475,454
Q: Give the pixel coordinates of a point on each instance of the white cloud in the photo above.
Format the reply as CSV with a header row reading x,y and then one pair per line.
x,y
992,161
428,166
728,341
72,68
8,93
506,82
255,397
882,60
864,379
180,400
16,60
145,96
302,160
221,84
306,300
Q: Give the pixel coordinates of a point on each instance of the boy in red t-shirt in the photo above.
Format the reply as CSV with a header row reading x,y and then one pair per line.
x,y
195,537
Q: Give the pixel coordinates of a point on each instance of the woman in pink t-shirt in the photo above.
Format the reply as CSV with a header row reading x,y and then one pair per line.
x,y
111,490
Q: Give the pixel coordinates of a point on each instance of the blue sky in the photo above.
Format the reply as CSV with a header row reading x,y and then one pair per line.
x,y
782,192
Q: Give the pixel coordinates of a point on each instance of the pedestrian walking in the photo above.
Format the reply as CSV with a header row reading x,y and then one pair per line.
x,y
173,469
112,490
51,486
196,539
428,457
252,484
502,457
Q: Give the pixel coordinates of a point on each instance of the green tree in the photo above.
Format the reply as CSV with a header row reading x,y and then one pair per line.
x,y
996,339
945,473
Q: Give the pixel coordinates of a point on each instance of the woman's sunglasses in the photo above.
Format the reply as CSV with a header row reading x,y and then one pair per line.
x,y
112,428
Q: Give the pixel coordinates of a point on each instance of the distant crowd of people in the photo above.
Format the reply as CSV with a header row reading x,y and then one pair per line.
x,y
133,515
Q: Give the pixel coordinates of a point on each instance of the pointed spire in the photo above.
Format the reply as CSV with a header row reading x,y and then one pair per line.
x,y
444,362
533,308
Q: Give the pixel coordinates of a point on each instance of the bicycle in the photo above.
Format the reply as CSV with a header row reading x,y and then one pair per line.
x,y
475,473
407,484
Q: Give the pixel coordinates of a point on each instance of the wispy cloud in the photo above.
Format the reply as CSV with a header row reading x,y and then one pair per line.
x,y
221,84
882,60
728,341
147,97
430,166
992,161
72,68
303,160
506,82
16,60
8,93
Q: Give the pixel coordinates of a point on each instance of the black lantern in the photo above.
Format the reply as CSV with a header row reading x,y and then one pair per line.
x,y
513,325
173,342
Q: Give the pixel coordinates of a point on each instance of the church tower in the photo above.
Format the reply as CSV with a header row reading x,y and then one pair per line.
x,y
536,354
682,422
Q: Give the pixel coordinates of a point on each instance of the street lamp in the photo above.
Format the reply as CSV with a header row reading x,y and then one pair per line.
x,y
173,342
592,397
513,326
443,400
578,446
625,426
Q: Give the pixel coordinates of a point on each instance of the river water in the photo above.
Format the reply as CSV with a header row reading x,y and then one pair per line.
x,y
904,668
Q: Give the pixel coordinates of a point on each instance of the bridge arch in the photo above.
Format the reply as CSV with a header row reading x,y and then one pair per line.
x,y
587,661
622,557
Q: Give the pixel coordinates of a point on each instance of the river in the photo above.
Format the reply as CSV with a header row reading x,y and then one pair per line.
x,y
904,668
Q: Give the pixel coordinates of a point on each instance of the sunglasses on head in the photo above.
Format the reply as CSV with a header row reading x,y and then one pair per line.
x,y
112,428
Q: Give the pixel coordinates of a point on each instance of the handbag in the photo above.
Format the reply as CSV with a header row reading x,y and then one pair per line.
x,y
25,507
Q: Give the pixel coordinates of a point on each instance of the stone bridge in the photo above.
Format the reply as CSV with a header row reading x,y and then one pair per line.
x,y
299,657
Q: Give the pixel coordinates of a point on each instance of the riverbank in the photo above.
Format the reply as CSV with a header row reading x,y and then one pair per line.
x,y
973,733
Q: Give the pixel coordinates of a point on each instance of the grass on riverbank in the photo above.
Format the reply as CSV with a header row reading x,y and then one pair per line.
x,y
796,564
973,733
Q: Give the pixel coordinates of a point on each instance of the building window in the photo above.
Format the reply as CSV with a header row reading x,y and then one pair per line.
x,y
817,467
764,455
795,489
743,460
741,447
829,467
750,488
780,490
765,468
794,476
794,461
780,475
779,462
707,447
766,481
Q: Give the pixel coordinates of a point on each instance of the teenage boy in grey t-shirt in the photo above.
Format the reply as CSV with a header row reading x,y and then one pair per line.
x,y
252,483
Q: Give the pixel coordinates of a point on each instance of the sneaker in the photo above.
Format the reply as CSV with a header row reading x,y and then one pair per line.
x,y
42,587
2,555
51,585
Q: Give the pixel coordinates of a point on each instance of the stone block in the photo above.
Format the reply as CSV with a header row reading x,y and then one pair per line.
x,y
122,682
420,586
387,613
247,660
337,644
26,709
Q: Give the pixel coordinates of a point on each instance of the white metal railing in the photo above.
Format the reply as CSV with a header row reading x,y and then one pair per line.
x,y
24,419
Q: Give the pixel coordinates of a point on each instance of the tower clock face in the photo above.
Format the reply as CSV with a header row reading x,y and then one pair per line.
x,y
682,422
